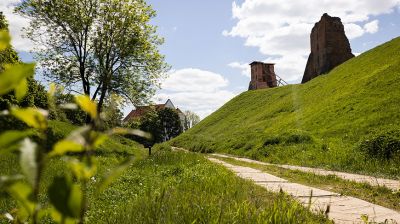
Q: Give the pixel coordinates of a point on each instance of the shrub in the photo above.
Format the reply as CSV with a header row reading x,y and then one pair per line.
x,y
272,140
258,153
383,145
298,137
290,137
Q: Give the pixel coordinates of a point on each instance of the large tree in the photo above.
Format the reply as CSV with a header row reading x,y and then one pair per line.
x,y
103,47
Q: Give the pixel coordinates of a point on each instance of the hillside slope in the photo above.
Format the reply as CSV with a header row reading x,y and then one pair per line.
x,y
319,123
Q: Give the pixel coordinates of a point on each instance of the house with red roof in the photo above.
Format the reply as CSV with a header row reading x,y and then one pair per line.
x,y
140,111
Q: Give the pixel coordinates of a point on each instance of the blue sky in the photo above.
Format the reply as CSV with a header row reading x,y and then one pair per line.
x,y
209,43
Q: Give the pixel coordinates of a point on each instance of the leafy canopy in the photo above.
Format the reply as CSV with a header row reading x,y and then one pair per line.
x,y
98,47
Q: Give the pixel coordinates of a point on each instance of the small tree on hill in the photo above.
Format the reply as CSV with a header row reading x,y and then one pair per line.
x,y
150,123
170,123
191,119
163,125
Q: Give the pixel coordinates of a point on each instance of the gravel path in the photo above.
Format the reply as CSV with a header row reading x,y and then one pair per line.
x,y
342,209
391,184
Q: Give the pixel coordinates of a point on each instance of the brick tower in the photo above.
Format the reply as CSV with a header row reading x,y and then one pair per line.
x,y
329,47
262,76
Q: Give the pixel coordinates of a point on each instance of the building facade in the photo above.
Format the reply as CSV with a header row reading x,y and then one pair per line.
x,y
262,76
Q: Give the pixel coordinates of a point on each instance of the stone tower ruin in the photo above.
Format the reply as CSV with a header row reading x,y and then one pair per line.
x,y
329,47
262,76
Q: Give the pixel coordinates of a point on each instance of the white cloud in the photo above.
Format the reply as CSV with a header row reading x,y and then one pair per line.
x,y
243,67
280,29
289,67
353,30
372,27
16,23
191,79
197,90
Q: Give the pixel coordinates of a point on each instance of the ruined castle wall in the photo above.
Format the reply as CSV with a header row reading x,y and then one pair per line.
x,y
329,47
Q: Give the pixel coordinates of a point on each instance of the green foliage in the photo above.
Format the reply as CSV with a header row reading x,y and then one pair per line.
x,y
7,54
10,138
332,113
170,123
384,145
65,196
163,125
76,115
20,80
289,137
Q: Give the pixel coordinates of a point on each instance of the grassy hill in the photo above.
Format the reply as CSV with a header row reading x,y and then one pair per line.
x,y
320,123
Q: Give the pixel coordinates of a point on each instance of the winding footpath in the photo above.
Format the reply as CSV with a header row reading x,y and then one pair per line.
x,y
373,181
341,209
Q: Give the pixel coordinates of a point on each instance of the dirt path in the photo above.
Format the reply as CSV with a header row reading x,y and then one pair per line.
x,y
391,184
342,209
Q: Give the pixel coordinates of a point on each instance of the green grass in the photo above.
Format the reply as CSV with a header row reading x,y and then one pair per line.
x,y
178,187
317,124
374,194
168,187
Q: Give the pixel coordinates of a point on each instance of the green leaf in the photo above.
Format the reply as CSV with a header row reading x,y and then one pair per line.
x,y
82,171
52,89
127,131
98,139
114,174
6,181
33,117
64,146
75,200
87,137
65,196
4,40
87,105
9,140
21,89
28,160
80,135
13,75
22,193
59,218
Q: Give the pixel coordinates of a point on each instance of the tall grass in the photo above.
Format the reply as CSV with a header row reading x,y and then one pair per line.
x,y
175,187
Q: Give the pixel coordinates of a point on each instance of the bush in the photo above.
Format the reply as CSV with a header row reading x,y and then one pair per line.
x,y
298,137
383,145
258,153
290,137
274,140
76,117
